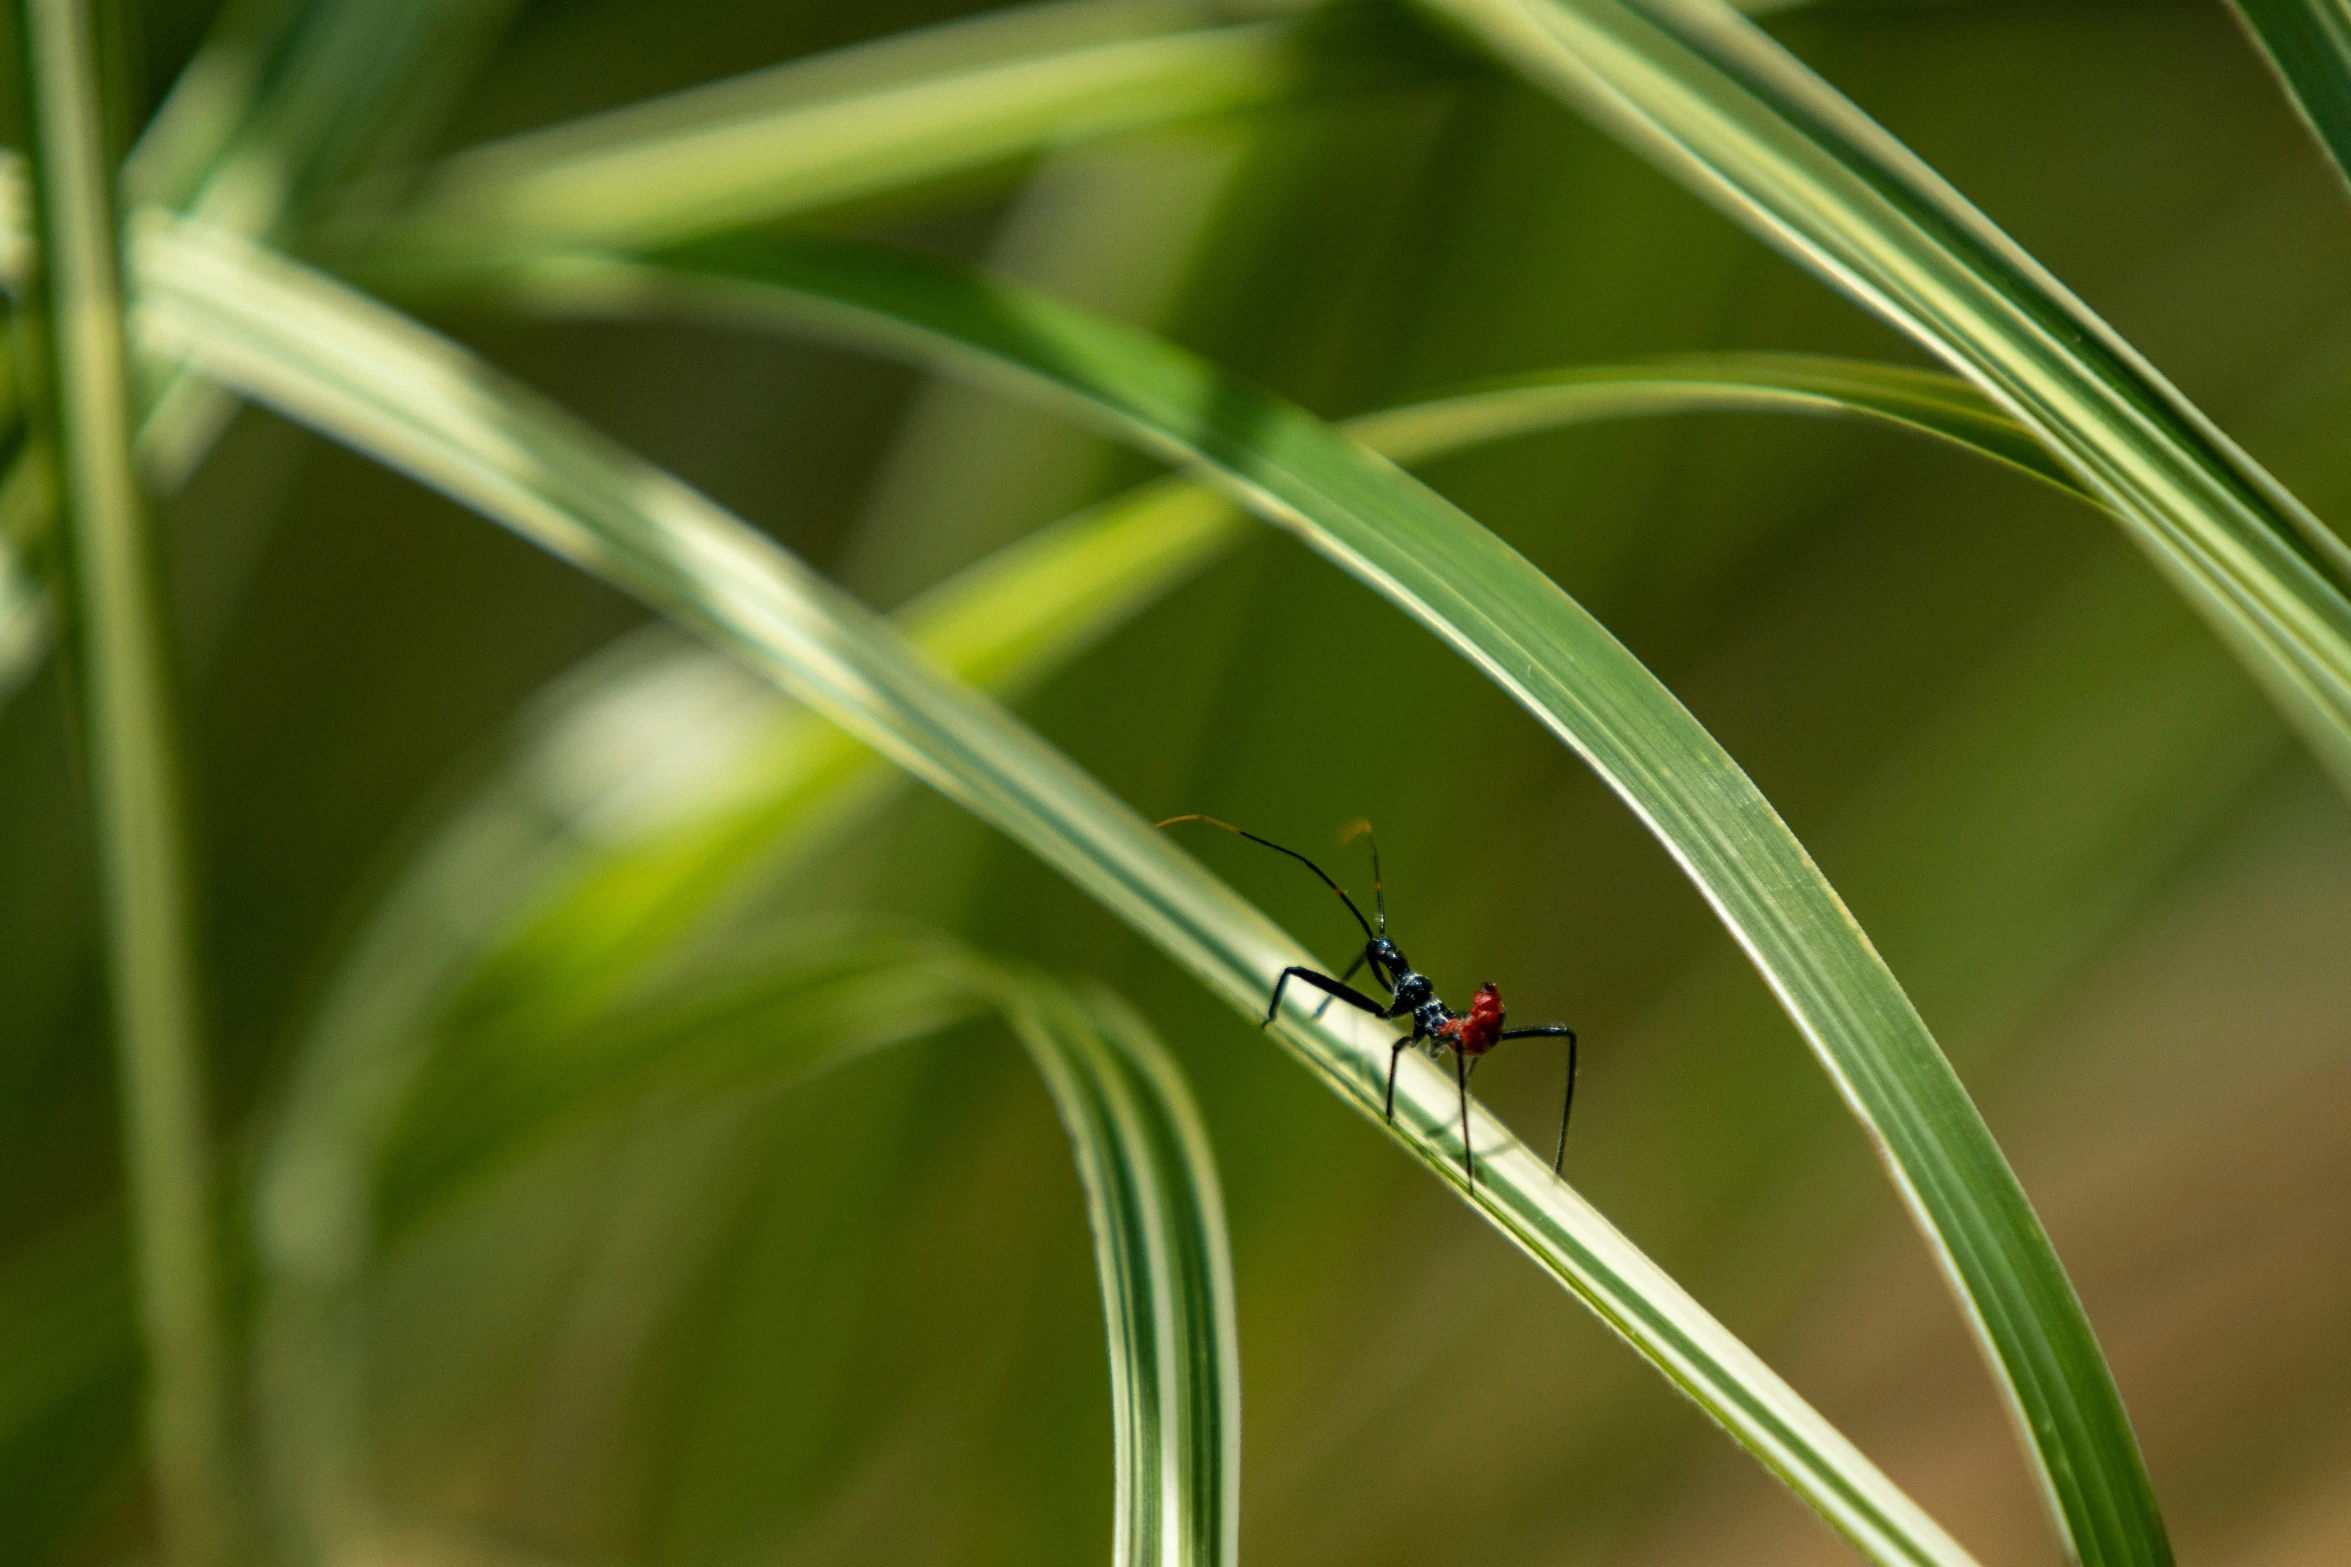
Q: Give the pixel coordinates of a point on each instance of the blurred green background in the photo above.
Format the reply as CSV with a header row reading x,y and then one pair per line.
x,y
857,1321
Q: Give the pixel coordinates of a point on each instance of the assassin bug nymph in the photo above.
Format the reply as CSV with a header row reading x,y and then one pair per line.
x,y
1435,1025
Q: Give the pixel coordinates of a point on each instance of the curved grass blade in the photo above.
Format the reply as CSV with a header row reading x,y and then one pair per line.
x,y
861,121
1162,1257
1165,1265
596,879
1922,402
1032,606
794,1008
293,339
574,880
1534,641
622,750
2308,43
1730,113
551,799
1733,115
122,648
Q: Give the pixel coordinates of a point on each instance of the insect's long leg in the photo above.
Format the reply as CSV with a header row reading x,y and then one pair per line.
x,y
1338,989
1395,1055
1378,973
1360,959
1567,1104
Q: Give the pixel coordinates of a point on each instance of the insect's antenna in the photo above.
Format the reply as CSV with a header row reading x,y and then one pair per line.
x,y
1361,828
1293,854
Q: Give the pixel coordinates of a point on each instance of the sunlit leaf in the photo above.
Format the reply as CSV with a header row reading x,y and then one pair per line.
x,y
329,359
858,122
1035,604
1165,1266
1489,603
1727,110
1730,112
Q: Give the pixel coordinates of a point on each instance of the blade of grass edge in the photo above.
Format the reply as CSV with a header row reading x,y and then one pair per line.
x,y
1722,107
223,136
1164,1261
809,1003
1726,110
2308,45
335,361
126,718
1162,1257
1028,608
855,122
353,1133
1002,624
1494,607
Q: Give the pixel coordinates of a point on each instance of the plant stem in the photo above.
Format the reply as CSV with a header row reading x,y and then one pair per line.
x,y
126,724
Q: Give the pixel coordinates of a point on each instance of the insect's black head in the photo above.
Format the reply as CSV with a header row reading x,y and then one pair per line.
x,y
1387,956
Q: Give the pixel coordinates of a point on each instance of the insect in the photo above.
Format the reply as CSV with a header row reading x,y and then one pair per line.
x,y
1434,1025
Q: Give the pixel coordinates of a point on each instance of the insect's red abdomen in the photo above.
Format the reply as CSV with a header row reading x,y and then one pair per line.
x,y
1477,1033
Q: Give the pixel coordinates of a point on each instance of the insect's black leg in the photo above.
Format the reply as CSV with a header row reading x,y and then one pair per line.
x,y
1461,1075
1338,990
1567,1104
1360,959
1395,1055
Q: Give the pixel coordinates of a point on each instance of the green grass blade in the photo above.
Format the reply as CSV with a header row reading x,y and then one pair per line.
x,y
784,1010
856,123
127,723
575,766
560,908
363,1097
1724,108
1919,401
391,1111
806,1004
1534,641
1034,605
1165,1264
328,358
763,1017
2308,43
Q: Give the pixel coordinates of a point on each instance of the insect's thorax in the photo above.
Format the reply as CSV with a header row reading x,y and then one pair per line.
x,y
1429,1015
